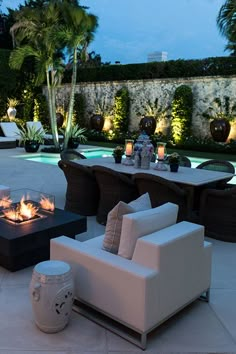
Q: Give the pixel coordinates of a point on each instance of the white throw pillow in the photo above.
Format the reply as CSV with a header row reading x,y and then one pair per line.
x,y
114,220
142,223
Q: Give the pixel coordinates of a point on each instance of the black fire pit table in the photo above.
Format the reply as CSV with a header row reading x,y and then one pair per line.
x,y
23,245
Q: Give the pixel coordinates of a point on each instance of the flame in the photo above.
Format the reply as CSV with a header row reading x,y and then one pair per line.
x,y
5,202
47,204
23,211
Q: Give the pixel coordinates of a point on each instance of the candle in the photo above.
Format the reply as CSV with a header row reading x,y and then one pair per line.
x,y
129,149
161,152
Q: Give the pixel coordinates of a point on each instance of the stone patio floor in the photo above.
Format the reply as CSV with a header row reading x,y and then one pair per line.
x,y
200,328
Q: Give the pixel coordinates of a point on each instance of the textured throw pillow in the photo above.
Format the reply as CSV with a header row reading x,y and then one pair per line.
x,y
139,224
114,221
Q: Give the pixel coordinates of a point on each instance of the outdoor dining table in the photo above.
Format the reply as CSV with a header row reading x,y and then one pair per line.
x,y
185,176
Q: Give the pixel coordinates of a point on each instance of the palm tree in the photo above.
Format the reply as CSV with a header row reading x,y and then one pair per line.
x,y
34,35
76,33
44,33
226,22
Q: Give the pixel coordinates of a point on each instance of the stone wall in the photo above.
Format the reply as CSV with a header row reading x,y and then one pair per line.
x,y
204,89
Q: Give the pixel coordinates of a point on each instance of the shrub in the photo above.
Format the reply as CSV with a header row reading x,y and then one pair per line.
x,y
121,111
182,109
79,109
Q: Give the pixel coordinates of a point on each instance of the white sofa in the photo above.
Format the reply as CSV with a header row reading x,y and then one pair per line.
x,y
169,268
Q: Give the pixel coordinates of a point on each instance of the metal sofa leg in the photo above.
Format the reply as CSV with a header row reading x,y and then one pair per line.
x,y
205,296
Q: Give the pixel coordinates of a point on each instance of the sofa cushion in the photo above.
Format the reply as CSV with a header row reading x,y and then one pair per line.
x,y
142,223
114,220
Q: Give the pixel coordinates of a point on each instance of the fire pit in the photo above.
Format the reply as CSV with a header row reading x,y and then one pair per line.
x,y
28,220
26,206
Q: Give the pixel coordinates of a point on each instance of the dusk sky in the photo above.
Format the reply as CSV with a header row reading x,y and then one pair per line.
x,y
130,29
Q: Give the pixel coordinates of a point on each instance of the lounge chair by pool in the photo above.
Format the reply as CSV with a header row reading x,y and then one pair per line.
x,y
48,138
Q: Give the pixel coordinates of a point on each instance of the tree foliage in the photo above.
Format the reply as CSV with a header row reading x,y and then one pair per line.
x,y
182,109
45,31
226,22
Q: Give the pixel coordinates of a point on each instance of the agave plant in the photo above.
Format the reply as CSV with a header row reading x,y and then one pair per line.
x,y
76,133
12,102
31,134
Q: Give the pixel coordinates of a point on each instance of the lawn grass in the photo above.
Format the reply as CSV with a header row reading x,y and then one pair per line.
x,y
190,153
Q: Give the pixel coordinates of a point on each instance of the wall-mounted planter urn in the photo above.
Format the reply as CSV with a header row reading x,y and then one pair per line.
x,y
97,122
148,124
220,129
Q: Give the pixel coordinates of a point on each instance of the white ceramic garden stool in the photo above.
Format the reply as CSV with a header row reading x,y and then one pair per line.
x,y
52,292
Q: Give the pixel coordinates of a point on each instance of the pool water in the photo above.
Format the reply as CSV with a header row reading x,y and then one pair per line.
x,y
52,159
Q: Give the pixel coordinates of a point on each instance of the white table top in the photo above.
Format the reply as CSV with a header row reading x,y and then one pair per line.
x,y
185,175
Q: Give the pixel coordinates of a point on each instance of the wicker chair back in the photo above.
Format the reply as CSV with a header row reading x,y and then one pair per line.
x,y
70,154
162,191
184,161
114,187
218,213
82,193
218,165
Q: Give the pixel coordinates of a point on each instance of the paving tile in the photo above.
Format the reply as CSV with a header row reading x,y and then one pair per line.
x,y
17,320
223,304
223,265
195,329
2,274
21,277
26,351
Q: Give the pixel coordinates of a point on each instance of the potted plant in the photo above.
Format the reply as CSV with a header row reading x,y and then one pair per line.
x,y
101,110
76,136
174,160
220,114
118,152
151,112
11,104
31,137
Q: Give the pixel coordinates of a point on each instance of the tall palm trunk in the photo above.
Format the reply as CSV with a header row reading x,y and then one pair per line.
x,y
72,99
52,110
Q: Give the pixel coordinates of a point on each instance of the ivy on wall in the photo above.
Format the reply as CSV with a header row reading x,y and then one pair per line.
x,y
79,110
182,110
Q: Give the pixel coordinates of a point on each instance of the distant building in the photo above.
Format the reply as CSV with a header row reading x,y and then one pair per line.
x,y
157,56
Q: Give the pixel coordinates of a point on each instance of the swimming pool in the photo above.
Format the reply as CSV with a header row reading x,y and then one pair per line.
x,y
52,159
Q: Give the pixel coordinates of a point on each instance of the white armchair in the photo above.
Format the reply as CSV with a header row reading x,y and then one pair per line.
x,y
169,269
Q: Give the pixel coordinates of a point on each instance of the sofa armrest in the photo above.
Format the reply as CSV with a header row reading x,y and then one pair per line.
x,y
183,260
148,248
119,287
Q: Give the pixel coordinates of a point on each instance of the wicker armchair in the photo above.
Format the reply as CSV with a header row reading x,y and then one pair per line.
x,y
114,187
162,191
82,194
70,154
218,213
218,165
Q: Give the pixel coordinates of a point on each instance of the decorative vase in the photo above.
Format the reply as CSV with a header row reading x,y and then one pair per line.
x,y
73,143
220,129
174,167
97,122
11,112
60,119
148,124
31,145
118,159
